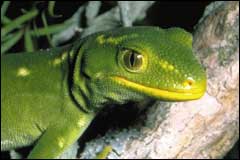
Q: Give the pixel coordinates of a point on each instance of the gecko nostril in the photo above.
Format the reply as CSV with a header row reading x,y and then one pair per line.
x,y
188,83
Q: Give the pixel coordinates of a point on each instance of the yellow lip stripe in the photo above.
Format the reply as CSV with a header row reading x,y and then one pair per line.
x,y
159,93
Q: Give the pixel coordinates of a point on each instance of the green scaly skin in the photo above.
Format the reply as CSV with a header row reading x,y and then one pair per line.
x,y
49,98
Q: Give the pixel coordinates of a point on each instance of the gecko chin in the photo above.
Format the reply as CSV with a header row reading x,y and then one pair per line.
x,y
163,94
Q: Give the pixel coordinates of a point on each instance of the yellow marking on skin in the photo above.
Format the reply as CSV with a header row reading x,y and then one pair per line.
x,y
187,94
170,67
163,64
6,142
176,71
81,122
71,53
64,56
100,39
23,72
56,61
60,59
61,142
114,40
166,65
112,94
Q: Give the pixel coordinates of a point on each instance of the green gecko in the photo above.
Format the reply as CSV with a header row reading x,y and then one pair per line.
x,y
49,98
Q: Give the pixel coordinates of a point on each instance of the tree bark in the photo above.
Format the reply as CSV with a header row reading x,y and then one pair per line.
x,y
204,128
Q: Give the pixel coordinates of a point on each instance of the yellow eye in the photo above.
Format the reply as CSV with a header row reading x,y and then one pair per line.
x,y
132,60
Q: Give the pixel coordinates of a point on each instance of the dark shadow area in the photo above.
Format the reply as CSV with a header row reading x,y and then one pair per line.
x,y
184,14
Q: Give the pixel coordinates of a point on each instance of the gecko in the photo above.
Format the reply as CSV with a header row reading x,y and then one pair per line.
x,y
50,97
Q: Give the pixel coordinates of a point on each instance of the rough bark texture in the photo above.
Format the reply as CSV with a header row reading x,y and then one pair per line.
x,y
205,128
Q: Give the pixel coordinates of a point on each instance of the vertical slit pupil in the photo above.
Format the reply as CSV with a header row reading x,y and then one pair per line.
x,y
132,59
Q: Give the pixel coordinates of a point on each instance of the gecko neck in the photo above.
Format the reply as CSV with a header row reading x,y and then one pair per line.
x,y
76,81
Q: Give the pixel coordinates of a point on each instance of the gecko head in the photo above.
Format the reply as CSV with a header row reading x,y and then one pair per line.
x,y
139,62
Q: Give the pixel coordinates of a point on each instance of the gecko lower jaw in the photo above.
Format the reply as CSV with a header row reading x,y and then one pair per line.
x,y
177,95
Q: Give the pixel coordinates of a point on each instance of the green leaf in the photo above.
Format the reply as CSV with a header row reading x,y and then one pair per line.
x,y
44,19
50,29
5,20
4,8
7,37
18,22
28,41
51,5
11,42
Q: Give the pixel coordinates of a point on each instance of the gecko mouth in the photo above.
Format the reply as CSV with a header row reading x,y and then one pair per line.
x,y
178,95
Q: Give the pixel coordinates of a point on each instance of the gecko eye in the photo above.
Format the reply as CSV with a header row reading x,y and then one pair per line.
x,y
132,60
